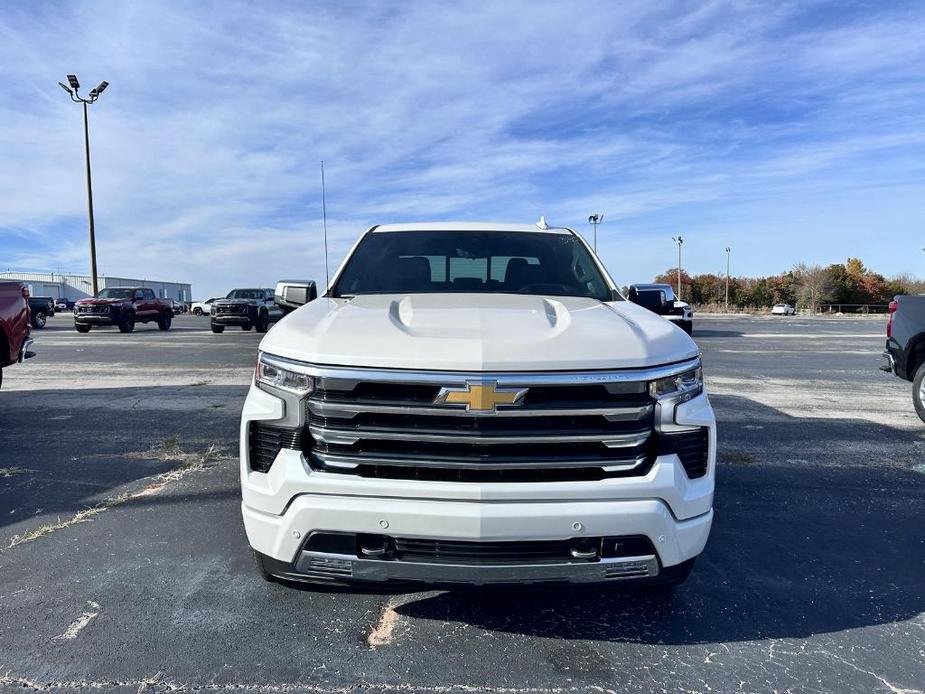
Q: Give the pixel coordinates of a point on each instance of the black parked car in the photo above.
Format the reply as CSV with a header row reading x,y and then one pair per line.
x,y
905,345
43,307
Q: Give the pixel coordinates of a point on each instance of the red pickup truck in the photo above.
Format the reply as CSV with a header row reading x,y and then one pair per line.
x,y
14,324
122,307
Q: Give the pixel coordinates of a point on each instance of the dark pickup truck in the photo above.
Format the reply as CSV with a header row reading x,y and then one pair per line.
x,y
42,308
14,324
246,308
905,345
122,307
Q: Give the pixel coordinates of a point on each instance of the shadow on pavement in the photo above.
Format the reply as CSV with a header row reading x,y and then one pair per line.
x,y
796,549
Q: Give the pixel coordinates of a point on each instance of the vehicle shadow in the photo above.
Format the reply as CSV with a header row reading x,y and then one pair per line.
x,y
809,546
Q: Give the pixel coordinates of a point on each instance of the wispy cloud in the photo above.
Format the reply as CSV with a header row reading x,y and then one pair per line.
x,y
733,122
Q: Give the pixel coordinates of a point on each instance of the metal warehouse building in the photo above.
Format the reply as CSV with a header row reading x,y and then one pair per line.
x,y
78,286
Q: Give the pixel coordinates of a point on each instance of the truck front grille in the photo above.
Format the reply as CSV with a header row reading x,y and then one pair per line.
x,y
558,431
230,310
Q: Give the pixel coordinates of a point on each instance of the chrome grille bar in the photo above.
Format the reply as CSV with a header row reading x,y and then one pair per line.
x,y
345,410
349,462
347,438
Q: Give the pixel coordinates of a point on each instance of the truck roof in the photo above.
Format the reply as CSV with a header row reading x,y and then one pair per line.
x,y
468,226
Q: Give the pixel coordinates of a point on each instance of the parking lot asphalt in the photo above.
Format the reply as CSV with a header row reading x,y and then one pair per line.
x,y
124,565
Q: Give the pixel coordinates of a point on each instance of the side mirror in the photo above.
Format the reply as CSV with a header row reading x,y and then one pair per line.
x,y
290,294
654,300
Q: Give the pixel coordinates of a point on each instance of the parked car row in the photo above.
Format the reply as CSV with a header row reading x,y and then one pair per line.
x,y
124,307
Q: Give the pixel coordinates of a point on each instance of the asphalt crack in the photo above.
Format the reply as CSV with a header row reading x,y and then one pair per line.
x,y
168,450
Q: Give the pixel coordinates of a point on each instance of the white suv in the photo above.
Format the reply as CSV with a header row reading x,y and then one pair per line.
x,y
476,403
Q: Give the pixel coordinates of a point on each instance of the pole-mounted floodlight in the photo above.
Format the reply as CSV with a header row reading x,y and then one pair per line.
x,y
728,251
94,94
678,240
594,220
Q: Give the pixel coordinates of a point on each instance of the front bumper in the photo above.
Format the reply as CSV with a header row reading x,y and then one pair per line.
x,y
95,319
25,350
232,319
280,537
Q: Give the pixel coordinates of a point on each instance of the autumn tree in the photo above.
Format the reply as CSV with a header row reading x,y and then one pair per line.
x,y
813,283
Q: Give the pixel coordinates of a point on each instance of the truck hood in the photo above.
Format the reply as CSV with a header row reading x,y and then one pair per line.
x,y
477,332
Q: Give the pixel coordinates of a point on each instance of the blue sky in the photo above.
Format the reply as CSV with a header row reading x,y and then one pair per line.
x,y
792,131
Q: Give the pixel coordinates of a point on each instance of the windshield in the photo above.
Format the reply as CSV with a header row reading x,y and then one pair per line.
x,y
246,294
115,293
416,262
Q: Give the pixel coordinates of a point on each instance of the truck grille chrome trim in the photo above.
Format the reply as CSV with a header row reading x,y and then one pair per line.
x,y
567,426
349,462
344,410
348,439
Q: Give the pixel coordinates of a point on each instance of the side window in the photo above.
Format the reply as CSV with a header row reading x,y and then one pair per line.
x,y
149,294
139,295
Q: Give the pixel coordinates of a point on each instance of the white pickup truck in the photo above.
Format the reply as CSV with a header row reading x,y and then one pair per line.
x,y
475,403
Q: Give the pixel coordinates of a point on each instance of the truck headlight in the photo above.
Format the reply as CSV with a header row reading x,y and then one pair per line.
x,y
682,386
271,373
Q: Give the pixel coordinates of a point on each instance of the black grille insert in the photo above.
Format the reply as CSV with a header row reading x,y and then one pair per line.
x,y
265,441
691,447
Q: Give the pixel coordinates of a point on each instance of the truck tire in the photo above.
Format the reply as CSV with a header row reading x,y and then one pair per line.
x,y
82,328
688,326
127,323
918,391
197,311
165,320
39,318
217,328
262,569
263,322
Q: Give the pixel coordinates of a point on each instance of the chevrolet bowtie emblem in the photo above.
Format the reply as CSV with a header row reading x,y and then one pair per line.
x,y
480,396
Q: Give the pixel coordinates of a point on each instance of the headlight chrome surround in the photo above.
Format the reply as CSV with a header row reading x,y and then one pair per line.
x,y
680,387
271,375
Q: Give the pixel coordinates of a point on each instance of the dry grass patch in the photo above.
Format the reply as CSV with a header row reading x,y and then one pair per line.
x,y
736,457
167,450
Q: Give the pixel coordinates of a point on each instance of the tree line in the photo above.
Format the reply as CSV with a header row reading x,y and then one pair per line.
x,y
804,285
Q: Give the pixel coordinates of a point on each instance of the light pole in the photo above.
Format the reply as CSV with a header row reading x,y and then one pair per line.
x,y
594,220
728,251
678,241
76,98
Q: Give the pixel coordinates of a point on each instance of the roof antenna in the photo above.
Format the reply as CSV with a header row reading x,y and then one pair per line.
x,y
324,226
542,223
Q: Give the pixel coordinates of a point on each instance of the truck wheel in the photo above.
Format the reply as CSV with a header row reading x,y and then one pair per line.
x,y
918,391
218,328
263,322
262,569
82,328
688,326
127,324
39,318
165,320
197,311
